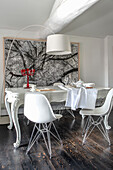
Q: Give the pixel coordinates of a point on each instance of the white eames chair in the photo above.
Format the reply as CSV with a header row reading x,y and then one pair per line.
x,y
38,110
99,113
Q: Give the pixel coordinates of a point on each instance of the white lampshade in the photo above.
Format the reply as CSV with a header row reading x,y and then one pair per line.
x,y
58,44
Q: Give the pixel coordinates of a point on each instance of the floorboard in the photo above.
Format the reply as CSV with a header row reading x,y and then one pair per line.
x,y
96,154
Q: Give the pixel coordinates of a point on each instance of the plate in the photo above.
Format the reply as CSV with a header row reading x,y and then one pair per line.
x,y
89,85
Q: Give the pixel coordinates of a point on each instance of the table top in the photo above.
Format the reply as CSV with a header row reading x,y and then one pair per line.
x,y
56,95
102,91
42,89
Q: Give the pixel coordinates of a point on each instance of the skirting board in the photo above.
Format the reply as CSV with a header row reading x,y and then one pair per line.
x,y
4,120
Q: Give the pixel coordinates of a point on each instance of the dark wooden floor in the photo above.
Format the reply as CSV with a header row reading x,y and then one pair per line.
x,y
95,154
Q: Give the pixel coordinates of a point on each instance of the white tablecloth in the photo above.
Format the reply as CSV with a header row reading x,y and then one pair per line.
x,y
81,98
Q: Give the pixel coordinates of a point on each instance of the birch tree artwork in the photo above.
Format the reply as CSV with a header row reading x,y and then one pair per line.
x,y
49,69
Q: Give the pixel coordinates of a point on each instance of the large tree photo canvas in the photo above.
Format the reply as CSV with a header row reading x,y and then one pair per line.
x,y
49,69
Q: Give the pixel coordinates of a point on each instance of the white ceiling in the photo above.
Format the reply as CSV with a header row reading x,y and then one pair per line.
x,y
95,22
16,14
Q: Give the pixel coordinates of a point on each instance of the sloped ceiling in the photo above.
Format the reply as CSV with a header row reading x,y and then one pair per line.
x,y
97,21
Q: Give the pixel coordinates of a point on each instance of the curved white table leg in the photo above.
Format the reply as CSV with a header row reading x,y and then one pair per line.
x,y
14,109
106,122
83,117
7,105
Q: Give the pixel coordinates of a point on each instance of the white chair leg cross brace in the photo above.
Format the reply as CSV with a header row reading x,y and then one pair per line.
x,y
98,113
38,110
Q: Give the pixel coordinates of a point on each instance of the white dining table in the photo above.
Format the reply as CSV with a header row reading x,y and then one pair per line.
x,y
15,98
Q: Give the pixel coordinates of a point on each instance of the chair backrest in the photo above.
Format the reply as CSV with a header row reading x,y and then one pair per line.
x,y
37,108
106,106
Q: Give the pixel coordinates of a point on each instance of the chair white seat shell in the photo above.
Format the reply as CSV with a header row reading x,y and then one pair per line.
x,y
96,112
38,110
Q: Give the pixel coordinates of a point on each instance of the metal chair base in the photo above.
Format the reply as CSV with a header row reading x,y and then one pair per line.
x,y
41,129
91,124
71,113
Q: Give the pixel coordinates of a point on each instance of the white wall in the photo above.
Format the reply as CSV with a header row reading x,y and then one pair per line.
x,y
92,62
109,61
